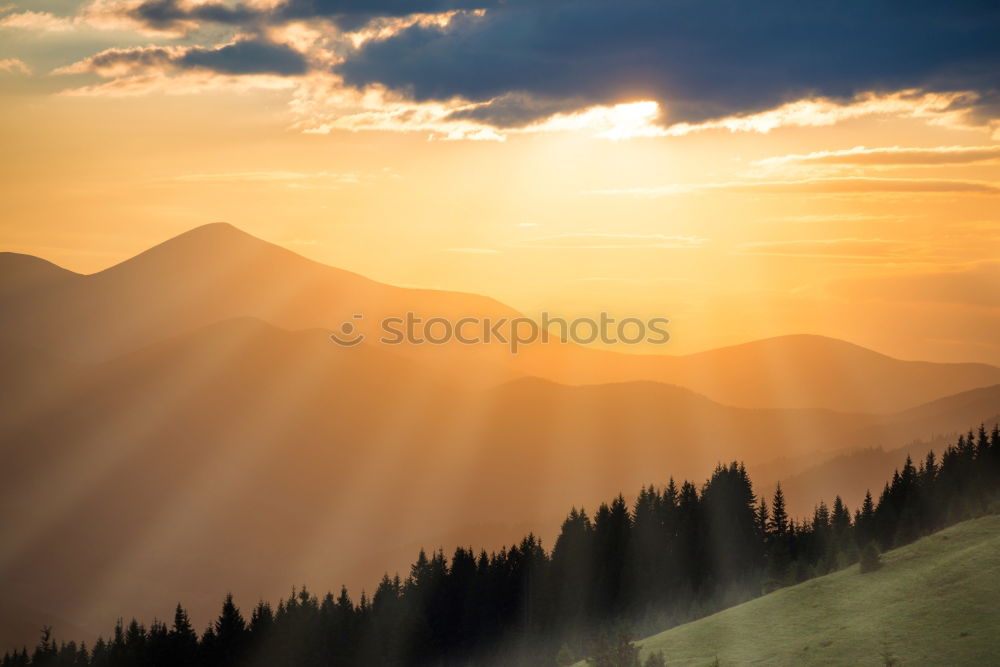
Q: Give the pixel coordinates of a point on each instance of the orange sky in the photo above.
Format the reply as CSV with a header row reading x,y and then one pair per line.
x,y
875,220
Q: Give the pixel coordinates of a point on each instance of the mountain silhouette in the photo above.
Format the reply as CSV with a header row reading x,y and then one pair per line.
x,y
793,371
217,272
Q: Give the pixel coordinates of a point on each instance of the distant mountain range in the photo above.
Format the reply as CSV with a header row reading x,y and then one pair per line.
x,y
181,421
217,272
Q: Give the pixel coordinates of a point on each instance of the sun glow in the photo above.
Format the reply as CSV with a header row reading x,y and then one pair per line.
x,y
618,122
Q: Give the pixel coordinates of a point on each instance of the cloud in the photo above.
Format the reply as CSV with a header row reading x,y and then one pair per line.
x,y
94,14
483,69
842,248
892,156
865,185
948,109
250,56
829,186
321,104
38,22
320,179
348,15
242,57
514,110
838,217
474,251
171,15
611,241
699,60
14,66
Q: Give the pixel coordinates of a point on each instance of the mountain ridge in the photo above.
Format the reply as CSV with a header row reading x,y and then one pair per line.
x,y
216,272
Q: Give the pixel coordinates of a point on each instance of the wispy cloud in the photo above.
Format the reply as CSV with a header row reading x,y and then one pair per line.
x,y
839,248
837,217
243,56
292,179
474,251
91,14
828,186
14,66
942,108
43,22
607,241
891,156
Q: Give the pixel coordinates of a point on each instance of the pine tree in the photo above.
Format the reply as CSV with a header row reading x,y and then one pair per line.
x,y
182,640
779,517
864,524
762,517
843,537
230,633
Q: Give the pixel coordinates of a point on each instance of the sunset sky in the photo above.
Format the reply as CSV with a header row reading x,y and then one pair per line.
x,y
746,173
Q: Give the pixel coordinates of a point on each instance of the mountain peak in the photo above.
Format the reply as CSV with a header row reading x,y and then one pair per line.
x,y
220,227
204,246
214,232
19,272
794,344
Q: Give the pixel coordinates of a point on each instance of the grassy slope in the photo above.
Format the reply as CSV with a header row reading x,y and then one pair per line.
x,y
934,602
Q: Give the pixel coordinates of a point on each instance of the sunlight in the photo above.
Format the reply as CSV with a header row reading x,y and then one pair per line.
x,y
619,122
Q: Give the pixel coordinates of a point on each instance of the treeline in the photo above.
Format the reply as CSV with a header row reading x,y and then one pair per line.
x,y
677,553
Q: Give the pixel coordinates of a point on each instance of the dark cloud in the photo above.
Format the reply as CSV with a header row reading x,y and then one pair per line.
x,y
251,56
351,14
701,59
152,56
168,14
347,14
516,110
247,57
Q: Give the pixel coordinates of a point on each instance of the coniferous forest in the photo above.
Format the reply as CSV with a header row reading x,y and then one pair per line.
x,y
677,553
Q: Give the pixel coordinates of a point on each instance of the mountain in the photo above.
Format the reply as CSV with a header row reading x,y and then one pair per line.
x,y
21,274
217,272
877,450
795,371
209,274
932,603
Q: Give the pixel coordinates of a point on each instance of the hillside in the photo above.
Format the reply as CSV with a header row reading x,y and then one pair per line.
x,y
874,452
933,602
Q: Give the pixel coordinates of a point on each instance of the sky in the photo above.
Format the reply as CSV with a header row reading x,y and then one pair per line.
x,y
744,169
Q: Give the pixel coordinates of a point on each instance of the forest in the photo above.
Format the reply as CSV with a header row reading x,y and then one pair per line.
x,y
678,552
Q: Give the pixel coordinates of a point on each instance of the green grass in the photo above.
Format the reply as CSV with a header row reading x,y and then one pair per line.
x,y
934,602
